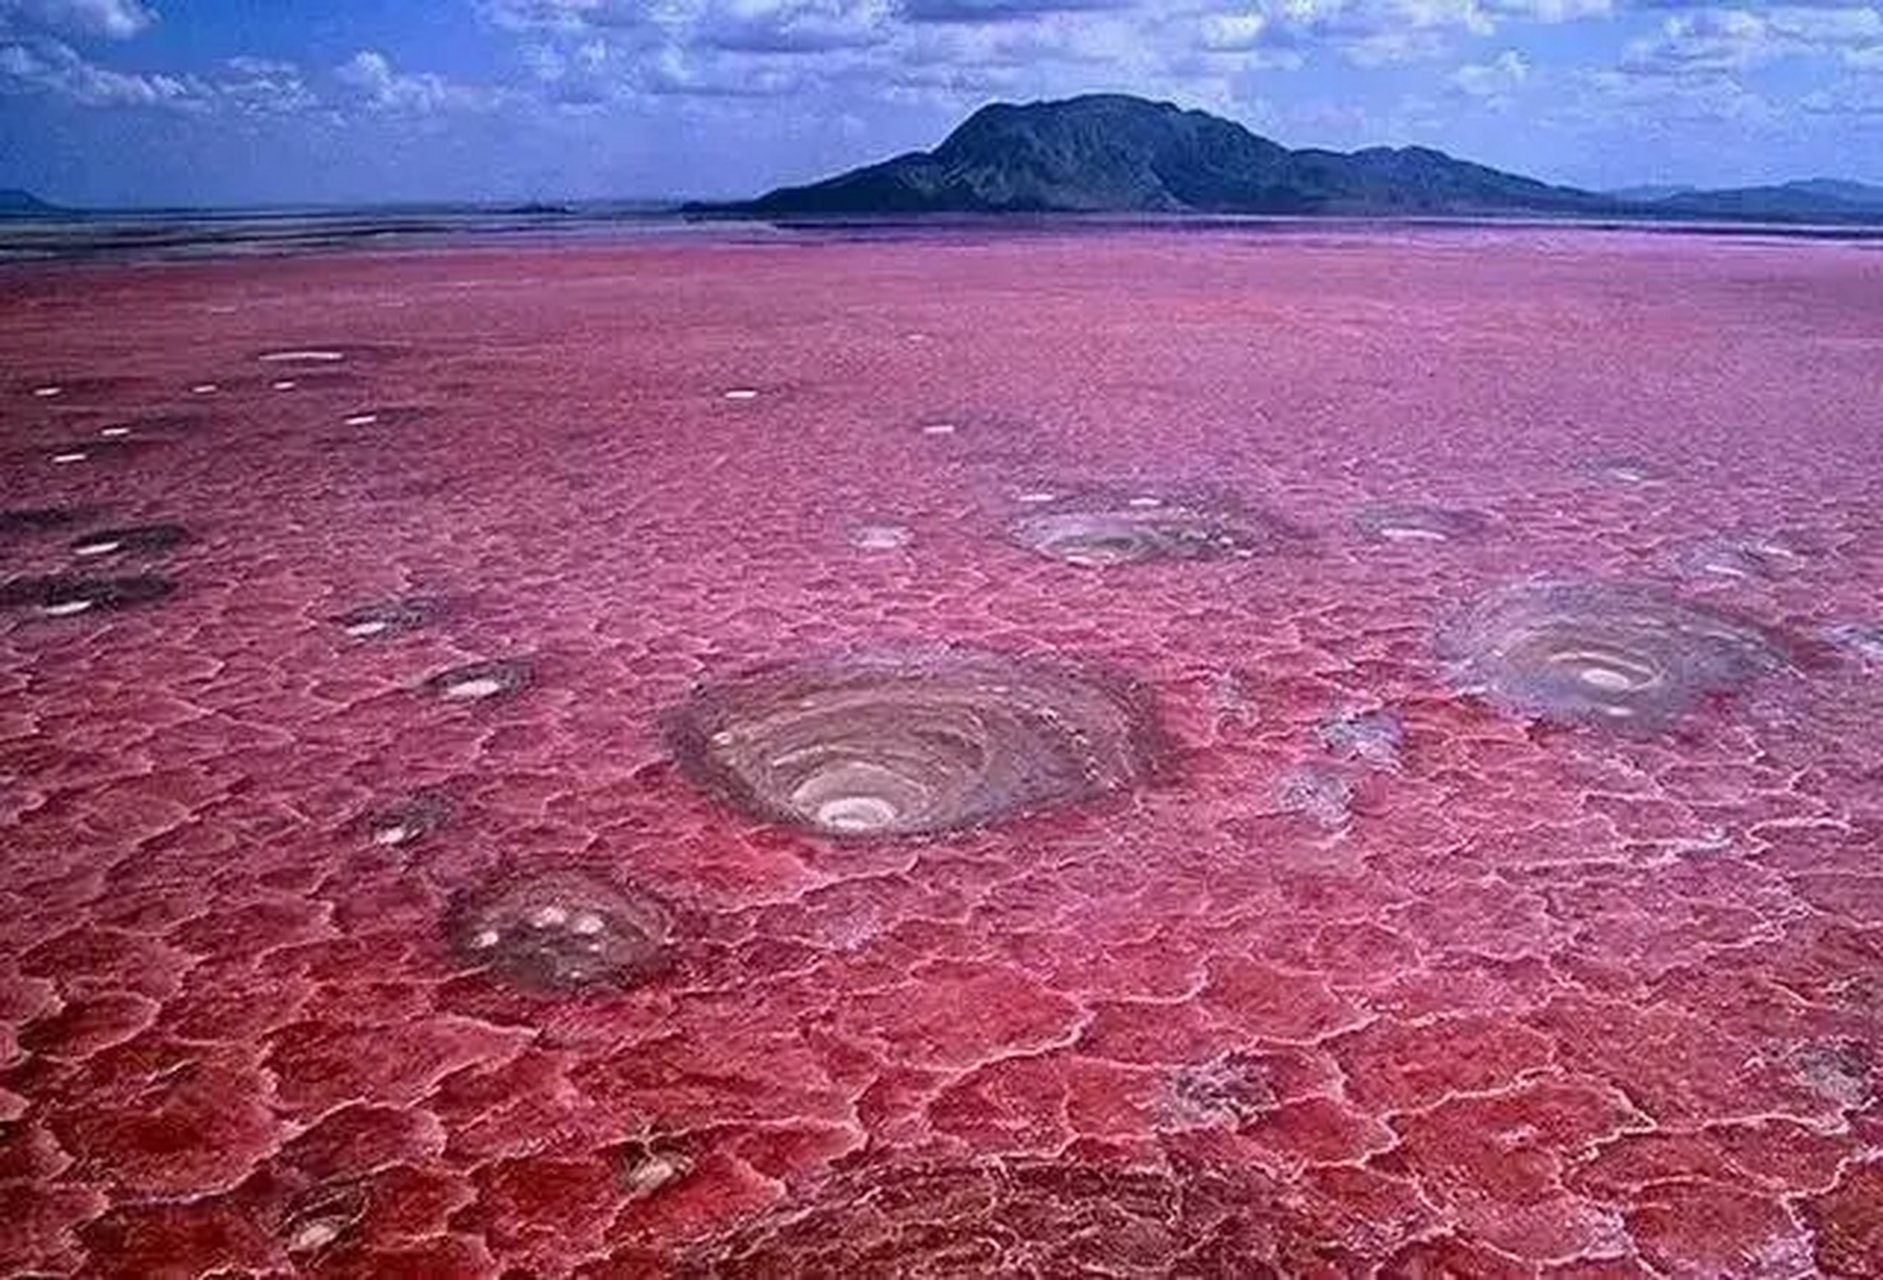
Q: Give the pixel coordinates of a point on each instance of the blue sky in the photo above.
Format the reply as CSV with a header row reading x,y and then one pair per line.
x,y
289,101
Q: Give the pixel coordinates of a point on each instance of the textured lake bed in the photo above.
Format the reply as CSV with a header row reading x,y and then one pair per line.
x,y
1129,753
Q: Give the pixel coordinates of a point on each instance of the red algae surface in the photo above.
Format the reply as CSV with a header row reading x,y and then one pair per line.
x,y
1479,873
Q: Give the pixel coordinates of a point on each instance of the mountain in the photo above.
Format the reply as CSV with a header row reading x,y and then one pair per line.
x,y
1118,154
1809,198
1113,153
1858,193
15,203
1651,193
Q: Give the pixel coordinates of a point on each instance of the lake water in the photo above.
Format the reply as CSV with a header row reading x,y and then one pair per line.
x,y
1094,752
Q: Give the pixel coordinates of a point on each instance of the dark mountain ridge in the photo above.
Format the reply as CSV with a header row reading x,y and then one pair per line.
x,y
1113,153
1807,198
15,203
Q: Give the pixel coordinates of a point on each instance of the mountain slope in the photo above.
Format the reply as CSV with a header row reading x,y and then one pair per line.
x,y
1808,198
15,203
1115,153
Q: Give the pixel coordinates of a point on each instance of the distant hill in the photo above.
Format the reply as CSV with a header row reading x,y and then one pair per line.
x,y
1806,199
15,203
1649,194
1113,153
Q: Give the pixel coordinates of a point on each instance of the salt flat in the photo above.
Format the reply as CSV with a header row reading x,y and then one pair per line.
x,y
1131,752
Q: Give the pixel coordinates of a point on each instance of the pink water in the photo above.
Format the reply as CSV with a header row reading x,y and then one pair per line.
x,y
1509,998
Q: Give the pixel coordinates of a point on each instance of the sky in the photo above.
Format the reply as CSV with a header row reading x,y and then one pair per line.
x,y
237,102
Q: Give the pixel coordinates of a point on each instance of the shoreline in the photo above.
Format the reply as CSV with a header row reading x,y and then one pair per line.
x,y
238,236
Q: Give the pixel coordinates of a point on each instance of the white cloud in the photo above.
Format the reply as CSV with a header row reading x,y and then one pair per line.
x,y
1372,33
1649,102
790,26
264,87
55,68
894,73
1494,81
1715,41
1858,98
116,19
370,79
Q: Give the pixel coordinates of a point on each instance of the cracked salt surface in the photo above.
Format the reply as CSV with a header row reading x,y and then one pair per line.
x,y
910,950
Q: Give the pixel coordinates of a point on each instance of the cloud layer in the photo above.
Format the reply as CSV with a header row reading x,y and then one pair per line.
x,y
774,88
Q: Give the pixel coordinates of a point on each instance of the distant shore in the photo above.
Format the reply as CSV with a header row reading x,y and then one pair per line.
x,y
198,234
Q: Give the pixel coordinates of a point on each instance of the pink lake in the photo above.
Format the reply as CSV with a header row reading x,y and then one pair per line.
x,y
1326,753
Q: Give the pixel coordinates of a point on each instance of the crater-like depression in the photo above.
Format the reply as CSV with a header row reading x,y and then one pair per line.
x,y
478,681
142,539
1099,528
62,595
561,931
912,743
387,618
1603,653
1411,522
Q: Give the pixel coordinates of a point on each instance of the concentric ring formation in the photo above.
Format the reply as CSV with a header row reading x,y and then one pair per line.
x,y
479,681
25,521
388,618
561,931
1603,653
62,595
142,539
1098,529
911,744
1415,523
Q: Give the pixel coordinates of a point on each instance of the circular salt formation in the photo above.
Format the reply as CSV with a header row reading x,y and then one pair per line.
x,y
881,537
1602,653
1376,737
1323,796
1413,523
312,356
479,681
895,745
103,449
321,1216
143,539
288,369
1134,534
31,520
1625,470
134,435
1865,639
61,596
66,392
409,821
561,931
398,415
394,617
1737,558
